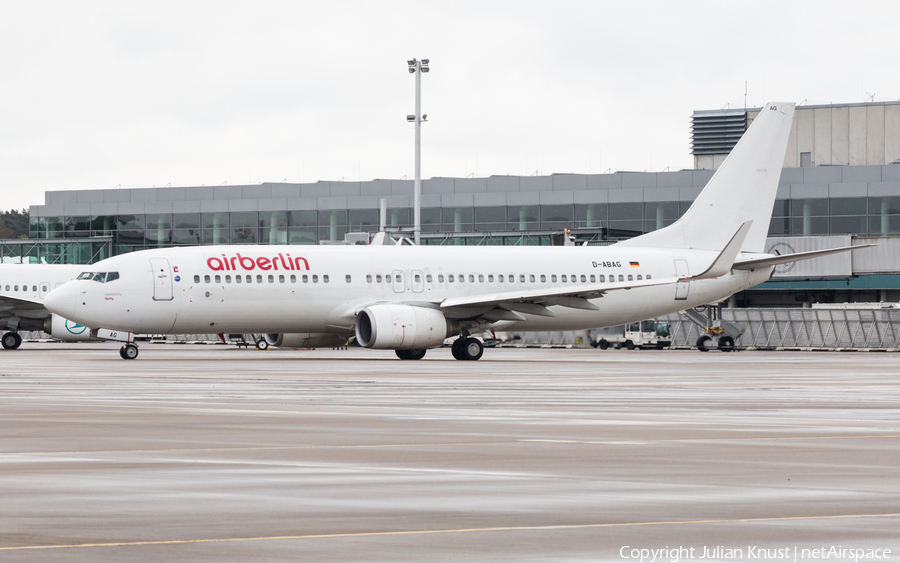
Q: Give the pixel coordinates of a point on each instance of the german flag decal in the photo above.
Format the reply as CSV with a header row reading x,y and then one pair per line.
x,y
635,264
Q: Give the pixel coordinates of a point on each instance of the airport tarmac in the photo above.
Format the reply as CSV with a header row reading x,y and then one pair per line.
x,y
211,453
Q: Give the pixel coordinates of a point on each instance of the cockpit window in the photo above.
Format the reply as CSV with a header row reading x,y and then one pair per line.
x,y
102,277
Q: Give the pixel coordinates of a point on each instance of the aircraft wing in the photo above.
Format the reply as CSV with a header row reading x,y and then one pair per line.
x,y
17,307
535,301
8,303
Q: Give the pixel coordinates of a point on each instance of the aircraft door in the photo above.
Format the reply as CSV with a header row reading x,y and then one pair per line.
x,y
682,286
162,279
418,281
398,281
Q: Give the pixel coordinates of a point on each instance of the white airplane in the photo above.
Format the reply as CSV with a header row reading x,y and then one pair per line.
x,y
410,299
22,291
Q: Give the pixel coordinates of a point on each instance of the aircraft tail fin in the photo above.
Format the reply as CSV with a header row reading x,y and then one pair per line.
x,y
742,189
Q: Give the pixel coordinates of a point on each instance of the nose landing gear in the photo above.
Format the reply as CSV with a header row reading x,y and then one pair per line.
x,y
128,351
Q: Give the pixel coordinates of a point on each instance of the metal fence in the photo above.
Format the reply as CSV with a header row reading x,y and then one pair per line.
x,y
803,328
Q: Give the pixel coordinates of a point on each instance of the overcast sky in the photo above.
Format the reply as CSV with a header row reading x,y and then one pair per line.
x,y
95,95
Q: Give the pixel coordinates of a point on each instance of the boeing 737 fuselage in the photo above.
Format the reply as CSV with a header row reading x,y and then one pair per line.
x,y
410,299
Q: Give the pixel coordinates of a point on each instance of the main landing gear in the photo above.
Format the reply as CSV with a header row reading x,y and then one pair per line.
x,y
467,348
410,354
11,340
128,351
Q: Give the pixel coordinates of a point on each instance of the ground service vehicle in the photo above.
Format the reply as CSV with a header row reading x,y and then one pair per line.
x,y
643,335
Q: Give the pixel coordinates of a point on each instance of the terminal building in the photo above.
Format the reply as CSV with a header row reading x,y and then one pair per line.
x,y
840,185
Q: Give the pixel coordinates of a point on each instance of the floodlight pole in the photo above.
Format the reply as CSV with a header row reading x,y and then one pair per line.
x,y
417,194
418,67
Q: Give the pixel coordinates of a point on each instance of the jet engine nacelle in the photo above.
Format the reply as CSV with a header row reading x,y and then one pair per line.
x,y
305,340
401,327
64,329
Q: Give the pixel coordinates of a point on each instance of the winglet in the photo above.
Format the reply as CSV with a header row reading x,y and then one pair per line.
x,y
725,261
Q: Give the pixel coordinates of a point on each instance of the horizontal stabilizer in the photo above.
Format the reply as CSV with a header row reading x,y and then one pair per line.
x,y
755,263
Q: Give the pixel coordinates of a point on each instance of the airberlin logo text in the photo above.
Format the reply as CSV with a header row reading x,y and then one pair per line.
x,y
246,263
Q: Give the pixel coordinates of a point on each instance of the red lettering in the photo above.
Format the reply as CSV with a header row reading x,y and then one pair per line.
x,y
263,263
244,265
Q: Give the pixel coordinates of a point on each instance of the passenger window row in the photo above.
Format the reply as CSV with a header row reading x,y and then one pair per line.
x,y
238,279
511,278
24,288
398,278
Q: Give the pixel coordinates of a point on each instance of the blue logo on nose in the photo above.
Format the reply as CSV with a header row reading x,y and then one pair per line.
x,y
177,278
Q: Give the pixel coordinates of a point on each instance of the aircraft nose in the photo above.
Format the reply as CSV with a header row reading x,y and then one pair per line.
x,y
62,301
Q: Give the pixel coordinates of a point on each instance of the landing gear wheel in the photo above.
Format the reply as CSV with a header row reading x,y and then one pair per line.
x,y
629,344
726,344
702,343
261,344
410,354
471,349
603,344
11,340
128,352
456,348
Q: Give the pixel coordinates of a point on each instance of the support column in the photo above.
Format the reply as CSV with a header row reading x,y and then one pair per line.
x,y
807,218
218,222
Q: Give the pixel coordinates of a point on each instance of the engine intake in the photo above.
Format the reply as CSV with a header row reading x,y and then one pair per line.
x,y
402,327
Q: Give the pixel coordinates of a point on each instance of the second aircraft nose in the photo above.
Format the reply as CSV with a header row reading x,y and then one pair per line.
x,y
62,300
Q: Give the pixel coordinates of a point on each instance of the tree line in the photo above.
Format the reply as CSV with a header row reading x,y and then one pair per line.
x,y
13,224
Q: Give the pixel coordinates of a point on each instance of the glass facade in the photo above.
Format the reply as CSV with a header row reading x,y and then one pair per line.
x,y
871,216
